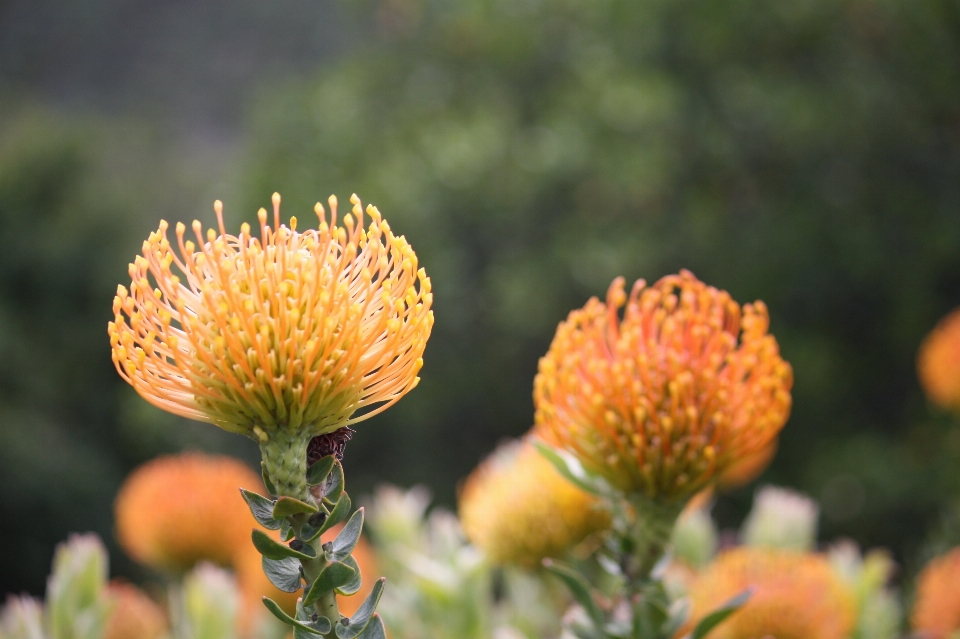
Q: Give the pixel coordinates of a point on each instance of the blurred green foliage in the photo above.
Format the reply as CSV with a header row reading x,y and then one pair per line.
x,y
806,154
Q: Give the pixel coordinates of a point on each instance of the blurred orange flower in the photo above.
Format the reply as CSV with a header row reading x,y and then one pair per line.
x,y
793,596
175,511
134,615
292,330
670,397
936,613
938,362
518,509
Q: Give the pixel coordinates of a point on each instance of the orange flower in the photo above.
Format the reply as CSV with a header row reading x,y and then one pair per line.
x,y
936,613
746,469
293,331
671,396
134,615
518,509
793,596
173,512
938,362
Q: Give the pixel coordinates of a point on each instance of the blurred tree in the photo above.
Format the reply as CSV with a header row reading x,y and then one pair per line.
x,y
807,154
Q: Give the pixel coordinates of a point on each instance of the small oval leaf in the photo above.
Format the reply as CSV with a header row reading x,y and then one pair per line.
x,y
353,586
262,509
283,573
287,506
345,542
332,576
273,549
319,470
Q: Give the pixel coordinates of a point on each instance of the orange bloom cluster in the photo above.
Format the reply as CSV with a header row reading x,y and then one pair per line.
x,y
668,398
174,512
134,615
938,362
793,596
936,613
518,509
292,329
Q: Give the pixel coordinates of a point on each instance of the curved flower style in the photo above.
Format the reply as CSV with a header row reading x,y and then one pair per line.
x,y
938,363
936,613
518,509
292,330
668,398
793,596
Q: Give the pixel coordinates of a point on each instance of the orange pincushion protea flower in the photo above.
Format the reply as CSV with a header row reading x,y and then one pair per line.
x,y
938,362
518,509
668,398
134,615
293,330
936,613
173,512
793,596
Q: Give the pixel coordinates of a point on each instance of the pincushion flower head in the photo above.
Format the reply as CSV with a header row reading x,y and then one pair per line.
x,y
280,337
936,611
938,363
518,509
664,399
793,596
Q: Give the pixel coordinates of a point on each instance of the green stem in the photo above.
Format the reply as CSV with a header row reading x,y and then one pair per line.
x,y
285,461
326,605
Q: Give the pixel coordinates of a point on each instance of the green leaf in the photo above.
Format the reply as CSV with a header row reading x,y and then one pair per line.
x,y
679,613
569,468
578,587
318,471
273,549
278,612
286,530
309,532
353,586
374,629
332,488
333,575
356,624
712,620
262,509
322,624
345,542
283,573
271,489
287,506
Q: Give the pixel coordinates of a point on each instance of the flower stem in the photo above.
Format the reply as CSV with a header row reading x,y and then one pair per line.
x,y
285,461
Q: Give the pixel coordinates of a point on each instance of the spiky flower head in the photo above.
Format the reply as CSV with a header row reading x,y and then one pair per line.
x,y
293,330
936,612
518,509
174,512
793,596
665,399
938,362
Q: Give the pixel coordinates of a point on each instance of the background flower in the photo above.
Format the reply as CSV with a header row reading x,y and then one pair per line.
x,y
793,596
518,509
665,399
